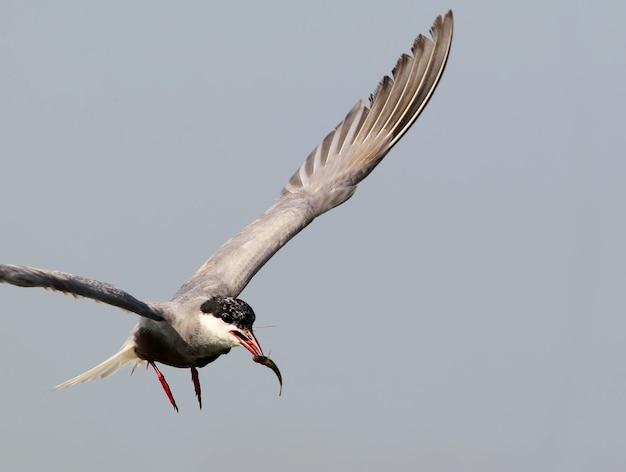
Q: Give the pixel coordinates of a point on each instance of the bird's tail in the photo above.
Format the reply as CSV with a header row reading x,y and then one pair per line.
x,y
114,363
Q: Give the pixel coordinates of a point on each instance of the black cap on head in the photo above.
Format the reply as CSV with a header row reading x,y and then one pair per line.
x,y
230,310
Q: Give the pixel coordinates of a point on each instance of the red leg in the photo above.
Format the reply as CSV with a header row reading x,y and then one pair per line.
x,y
196,385
164,384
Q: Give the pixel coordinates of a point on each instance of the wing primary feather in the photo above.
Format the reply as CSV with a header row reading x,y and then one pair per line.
x,y
23,276
329,175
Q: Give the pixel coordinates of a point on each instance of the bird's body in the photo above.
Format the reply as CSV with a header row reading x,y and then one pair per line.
x,y
205,319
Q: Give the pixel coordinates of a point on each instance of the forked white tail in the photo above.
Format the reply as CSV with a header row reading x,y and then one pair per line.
x,y
114,363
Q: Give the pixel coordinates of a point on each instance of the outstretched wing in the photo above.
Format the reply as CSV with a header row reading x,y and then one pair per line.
x,y
24,276
330,174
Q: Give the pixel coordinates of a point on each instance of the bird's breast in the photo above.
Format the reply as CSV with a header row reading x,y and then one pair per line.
x,y
159,342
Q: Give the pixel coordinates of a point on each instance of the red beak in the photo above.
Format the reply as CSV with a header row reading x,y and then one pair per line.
x,y
247,340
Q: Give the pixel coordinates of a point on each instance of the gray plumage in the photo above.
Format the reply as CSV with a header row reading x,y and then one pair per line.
x,y
24,276
331,172
178,332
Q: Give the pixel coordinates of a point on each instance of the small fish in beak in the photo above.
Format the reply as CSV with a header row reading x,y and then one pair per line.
x,y
267,362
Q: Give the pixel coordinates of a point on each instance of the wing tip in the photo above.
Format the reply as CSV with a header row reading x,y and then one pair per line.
x,y
442,22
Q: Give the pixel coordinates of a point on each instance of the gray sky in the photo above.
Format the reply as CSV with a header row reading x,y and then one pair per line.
x,y
465,311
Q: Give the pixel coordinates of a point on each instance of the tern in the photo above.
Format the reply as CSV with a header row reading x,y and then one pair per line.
x,y
205,318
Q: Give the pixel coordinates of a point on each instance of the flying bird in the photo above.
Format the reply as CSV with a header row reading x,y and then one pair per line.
x,y
205,318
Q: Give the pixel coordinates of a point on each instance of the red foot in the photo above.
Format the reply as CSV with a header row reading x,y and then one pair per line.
x,y
196,385
164,384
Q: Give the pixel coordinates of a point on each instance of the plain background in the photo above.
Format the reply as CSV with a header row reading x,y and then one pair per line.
x,y
465,311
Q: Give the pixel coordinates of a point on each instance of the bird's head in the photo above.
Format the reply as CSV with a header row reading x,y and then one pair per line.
x,y
231,320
